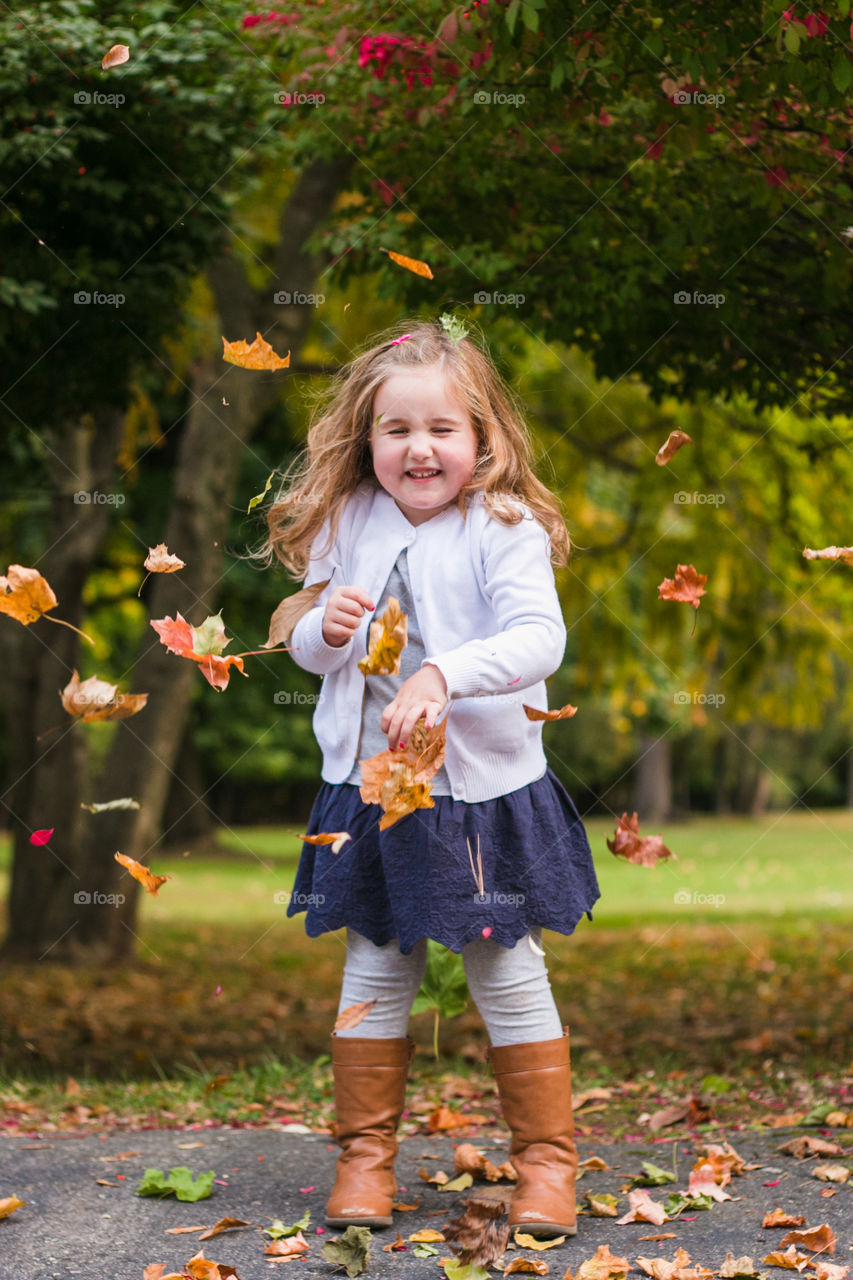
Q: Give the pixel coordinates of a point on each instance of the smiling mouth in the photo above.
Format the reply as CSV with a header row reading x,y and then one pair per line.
x,y
423,475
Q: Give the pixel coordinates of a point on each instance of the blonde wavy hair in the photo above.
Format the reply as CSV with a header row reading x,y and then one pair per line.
x,y
337,457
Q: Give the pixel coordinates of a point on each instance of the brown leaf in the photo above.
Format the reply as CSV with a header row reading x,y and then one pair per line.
x,y
678,1269
411,264
737,1267
703,1183
257,355
674,441
405,1208
388,636
828,1270
291,609
352,1016
789,1259
115,56
224,1224
642,1208
146,878
563,713
537,1265
25,595
819,1239
643,851
337,839
159,560
183,1231
724,1160
661,1235
806,1145
287,1247
831,1172
444,1118
467,1159
601,1266
594,1162
399,780
95,699
479,1235
395,1246
602,1205
844,554
779,1218
686,587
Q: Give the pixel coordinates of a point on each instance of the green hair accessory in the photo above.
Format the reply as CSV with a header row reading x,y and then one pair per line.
x,y
453,327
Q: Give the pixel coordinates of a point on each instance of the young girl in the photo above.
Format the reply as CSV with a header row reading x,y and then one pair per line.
x,y
417,484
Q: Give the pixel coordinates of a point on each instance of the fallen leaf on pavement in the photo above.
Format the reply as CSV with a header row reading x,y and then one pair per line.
x,y
467,1159
601,1266
790,1259
395,1246
819,1239
525,1241
642,1208
537,1265
224,1224
779,1218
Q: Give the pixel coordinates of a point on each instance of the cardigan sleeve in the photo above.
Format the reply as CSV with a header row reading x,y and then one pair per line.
x,y
530,639
307,646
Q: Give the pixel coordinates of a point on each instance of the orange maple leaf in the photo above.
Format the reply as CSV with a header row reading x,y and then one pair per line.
x,y
257,355
686,587
95,699
180,637
643,851
149,881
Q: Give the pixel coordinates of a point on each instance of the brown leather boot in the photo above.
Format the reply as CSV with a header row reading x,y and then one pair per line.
x,y
370,1089
535,1088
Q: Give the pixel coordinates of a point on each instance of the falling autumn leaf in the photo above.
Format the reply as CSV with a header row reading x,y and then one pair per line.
x,y
686,587
108,806
564,713
643,851
411,264
42,836
118,54
202,644
388,637
467,1159
146,878
95,699
26,596
353,1015
844,554
398,781
674,441
160,560
291,609
259,497
258,355
479,1236
335,838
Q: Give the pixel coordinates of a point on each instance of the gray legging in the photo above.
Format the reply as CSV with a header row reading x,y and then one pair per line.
x,y
510,988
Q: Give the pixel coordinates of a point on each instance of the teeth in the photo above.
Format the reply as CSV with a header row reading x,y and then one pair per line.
x,y
421,474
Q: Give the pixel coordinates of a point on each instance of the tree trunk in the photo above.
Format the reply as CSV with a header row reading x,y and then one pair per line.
x,y
653,780
227,403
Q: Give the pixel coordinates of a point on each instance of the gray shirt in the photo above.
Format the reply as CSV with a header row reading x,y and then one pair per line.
x,y
380,690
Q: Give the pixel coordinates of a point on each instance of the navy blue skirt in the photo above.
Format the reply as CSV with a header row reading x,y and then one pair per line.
x,y
415,880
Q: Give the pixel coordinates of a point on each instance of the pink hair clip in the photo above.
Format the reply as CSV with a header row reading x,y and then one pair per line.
x,y
403,339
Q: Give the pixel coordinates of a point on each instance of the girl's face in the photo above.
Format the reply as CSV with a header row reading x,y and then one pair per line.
x,y
424,445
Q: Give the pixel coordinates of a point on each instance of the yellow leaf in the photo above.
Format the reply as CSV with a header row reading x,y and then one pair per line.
x,y
9,1205
530,1242
388,637
146,878
25,595
258,355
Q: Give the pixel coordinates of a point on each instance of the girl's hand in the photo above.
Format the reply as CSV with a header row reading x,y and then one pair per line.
x,y
423,694
344,610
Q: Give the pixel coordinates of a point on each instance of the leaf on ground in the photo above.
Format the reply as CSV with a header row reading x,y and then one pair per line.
x,y
831,1172
674,441
562,713
337,839
643,851
157,1271
685,588
463,1270
388,636
256,355
94,699
537,1265
525,1241
160,560
467,1159
425,1251
405,1208
277,1229
9,1205
479,1235
224,1224
703,1183
351,1250
803,1147
744,1266
678,1269
180,1183
294,1246
290,610
353,1015
602,1205
779,1218
201,1268
643,1209
184,1231
594,1162
828,1270
427,1235
652,1176
395,1246
724,1160
149,881
443,1118
462,1183
677,1201
819,1239
788,1258
601,1266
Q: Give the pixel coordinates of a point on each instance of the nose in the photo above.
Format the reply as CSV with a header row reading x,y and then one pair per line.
x,y
420,446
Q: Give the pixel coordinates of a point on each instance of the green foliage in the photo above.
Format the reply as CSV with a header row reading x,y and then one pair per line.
x,y
444,988
278,1231
180,1183
351,1250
